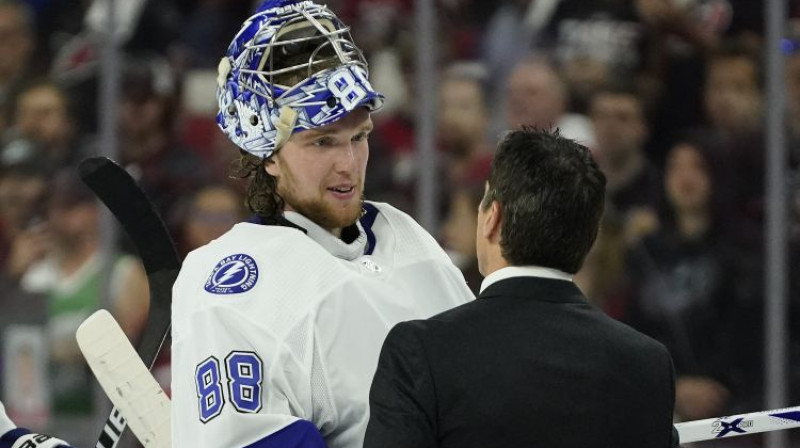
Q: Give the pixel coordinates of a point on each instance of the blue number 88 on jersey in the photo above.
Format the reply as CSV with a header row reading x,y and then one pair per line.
x,y
244,372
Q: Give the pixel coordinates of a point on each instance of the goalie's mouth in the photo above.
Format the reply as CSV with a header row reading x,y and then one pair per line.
x,y
343,191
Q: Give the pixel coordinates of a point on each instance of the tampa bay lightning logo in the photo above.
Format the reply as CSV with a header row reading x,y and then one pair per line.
x,y
232,275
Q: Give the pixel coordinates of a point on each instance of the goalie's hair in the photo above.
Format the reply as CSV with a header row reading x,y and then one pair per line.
x,y
262,196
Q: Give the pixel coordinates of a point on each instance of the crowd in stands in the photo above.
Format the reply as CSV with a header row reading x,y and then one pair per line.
x,y
668,95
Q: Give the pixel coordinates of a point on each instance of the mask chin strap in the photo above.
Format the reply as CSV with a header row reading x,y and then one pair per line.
x,y
287,119
223,70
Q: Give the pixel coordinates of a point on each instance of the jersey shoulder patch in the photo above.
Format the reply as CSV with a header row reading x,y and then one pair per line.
x,y
233,274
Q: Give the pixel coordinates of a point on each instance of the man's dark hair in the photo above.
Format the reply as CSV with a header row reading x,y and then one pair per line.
x,y
551,195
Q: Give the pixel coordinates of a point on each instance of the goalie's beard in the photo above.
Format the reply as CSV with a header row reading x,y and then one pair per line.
x,y
323,214
326,214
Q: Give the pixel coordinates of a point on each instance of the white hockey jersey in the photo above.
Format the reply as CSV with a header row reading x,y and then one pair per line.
x,y
273,328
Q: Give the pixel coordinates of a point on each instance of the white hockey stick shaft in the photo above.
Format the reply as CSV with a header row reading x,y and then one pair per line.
x,y
739,425
125,379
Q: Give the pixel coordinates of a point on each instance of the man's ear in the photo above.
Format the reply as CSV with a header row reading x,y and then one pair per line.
x,y
492,222
271,166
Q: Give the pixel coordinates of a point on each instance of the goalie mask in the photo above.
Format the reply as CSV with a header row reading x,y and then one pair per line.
x,y
292,66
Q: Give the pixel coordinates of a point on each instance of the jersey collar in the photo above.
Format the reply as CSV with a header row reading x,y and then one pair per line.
x,y
332,244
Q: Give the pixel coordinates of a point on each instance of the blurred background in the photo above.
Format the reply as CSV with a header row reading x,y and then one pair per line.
x,y
670,96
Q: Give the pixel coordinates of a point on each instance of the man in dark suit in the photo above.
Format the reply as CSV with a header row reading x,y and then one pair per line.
x,y
530,363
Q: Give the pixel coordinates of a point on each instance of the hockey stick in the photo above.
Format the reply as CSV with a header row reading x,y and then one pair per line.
x,y
134,211
739,425
125,379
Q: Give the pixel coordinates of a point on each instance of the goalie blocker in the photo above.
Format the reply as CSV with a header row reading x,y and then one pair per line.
x,y
13,437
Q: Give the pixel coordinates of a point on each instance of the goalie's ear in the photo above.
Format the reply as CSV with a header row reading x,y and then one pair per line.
x,y
272,166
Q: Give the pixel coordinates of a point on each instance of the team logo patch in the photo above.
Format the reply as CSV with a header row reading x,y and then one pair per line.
x,y
232,275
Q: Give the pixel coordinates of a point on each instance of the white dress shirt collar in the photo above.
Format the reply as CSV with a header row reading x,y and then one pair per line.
x,y
523,271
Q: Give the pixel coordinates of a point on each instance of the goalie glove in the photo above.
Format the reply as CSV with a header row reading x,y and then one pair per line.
x,y
23,438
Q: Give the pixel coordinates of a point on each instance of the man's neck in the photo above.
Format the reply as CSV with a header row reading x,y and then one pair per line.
x,y
693,225
72,259
494,262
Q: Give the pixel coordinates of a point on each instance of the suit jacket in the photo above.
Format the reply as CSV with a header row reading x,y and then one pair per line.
x,y
528,364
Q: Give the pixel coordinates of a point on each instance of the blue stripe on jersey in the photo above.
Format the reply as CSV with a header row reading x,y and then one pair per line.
x,y
255,219
366,222
8,439
300,434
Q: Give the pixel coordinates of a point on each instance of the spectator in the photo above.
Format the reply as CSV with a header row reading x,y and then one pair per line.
x,y
733,97
16,45
598,41
462,136
23,189
506,42
459,226
70,271
601,278
686,288
206,28
378,23
594,42
733,101
621,130
148,145
212,211
463,119
42,116
537,96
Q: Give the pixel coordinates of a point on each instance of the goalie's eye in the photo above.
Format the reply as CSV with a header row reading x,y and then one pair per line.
x,y
293,48
361,136
324,142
